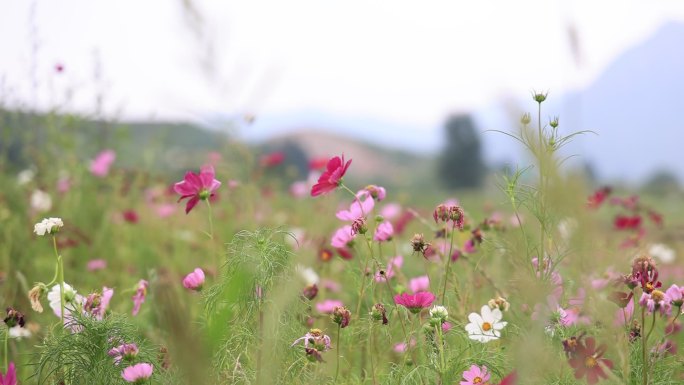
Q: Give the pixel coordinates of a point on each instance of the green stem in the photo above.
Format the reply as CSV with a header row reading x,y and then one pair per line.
x,y
440,345
6,349
337,368
541,257
60,278
211,222
448,263
644,367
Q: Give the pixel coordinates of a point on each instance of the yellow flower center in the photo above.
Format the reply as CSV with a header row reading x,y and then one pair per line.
x,y
477,380
649,287
486,327
657,295
590,362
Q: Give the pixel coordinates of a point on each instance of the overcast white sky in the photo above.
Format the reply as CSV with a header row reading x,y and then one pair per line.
x,y
402,61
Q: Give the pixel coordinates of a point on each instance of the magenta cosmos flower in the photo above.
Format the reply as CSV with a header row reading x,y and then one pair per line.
x,y
475,375
331,177
10,378
194,280
197,186
137,373
415,302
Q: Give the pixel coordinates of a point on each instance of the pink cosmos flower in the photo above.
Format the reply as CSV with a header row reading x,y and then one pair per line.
x,y
298,189
361,207
64,184
123,352
656,300
391,211
139,296
415,302
418,284
137,372
130,216
446,326
622,316
394,263
378,193
342,237
102,162
469,247
10,378
197,186
384,232
97,304
401,347
475,375
675,294
331,177
96,264
328,305
164,210
194,280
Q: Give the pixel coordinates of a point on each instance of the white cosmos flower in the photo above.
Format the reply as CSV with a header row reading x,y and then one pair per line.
x,y
662,252
48,226
19,332
71,299
486,326
25,176
308,274
41,201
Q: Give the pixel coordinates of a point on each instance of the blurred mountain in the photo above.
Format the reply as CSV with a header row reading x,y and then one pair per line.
x,y
632,106
371,162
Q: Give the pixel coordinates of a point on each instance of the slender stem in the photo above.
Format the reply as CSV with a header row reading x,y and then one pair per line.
x,y
60,278
370,351
363,288
6,349
448,262
440,345
211,222
541,257
337,367
644,367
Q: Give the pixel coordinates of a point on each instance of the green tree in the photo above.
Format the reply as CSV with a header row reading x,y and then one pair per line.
x,y
461,165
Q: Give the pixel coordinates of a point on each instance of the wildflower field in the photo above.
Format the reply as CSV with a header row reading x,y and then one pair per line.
x,y
116,274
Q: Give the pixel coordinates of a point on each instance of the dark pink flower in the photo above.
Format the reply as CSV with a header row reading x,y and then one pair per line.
x,y
197,186
587,360
130,216
331,177
10,378
194,280
102,162
273,159
139,296
137,373
415,302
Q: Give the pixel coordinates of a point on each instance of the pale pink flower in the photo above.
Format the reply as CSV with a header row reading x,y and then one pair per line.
x,y
421,283
165,210
361,207
384,232
139,296
328,305
622,316
475,375
96,264
401,347
102,162
194,280
394,263
299,189
469,247
342,237
123,352
137,373
391,211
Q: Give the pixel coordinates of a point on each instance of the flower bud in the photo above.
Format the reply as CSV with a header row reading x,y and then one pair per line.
x,y
439,313
525,119
341,316
310,291
554,122
359,226
14,318
379,313
498,303
539,97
